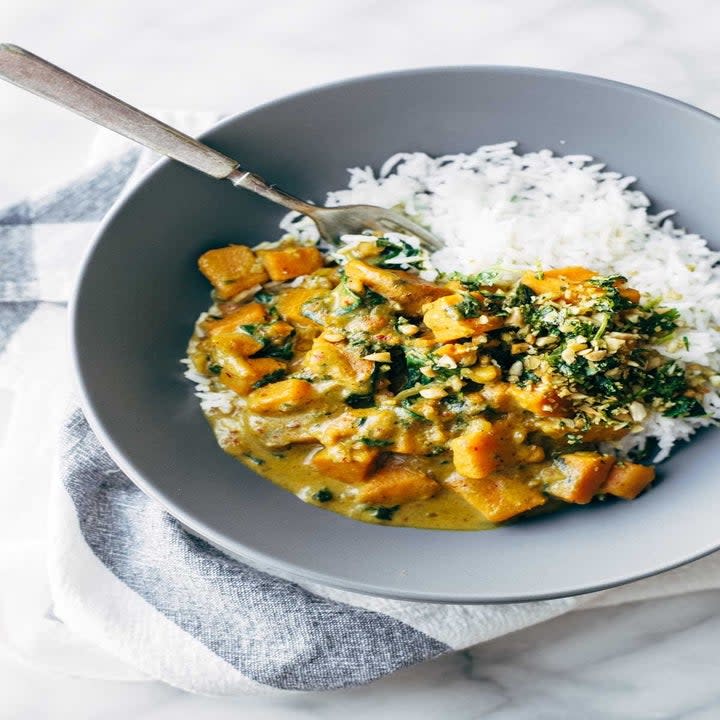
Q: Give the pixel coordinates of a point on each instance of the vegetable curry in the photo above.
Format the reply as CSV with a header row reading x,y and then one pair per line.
x,y
367,383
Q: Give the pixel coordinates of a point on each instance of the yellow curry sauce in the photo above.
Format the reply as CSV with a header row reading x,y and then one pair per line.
x,y
456,402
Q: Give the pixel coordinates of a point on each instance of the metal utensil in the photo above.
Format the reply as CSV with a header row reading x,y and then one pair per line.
x,y
32,73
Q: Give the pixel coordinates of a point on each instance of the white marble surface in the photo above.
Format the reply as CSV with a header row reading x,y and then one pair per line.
x,y
653,659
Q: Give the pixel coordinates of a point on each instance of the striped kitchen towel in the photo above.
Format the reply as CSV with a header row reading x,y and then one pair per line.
x,y
131,593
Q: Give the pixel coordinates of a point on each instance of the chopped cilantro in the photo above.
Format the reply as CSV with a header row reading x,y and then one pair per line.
x,y
476,281
469,307
528,377
282,352
263,296
371,298
684,407
356,400
658,324
269,378
215,369
384,513
414,360
523,295
602,328
394,248
372,442
323,495
346,301
607,281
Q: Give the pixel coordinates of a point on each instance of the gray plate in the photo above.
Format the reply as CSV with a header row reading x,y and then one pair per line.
x,y
140,292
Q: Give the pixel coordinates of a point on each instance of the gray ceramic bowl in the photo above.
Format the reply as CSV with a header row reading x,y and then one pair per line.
x,y
140,292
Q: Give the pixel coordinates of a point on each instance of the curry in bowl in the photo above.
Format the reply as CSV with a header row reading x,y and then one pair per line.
x,y
431,400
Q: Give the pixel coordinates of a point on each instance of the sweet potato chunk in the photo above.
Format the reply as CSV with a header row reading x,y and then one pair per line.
x,y
561,280
396,484
289,304
351,467
407,289
627,480
240,374
291,261
498,497
227,334
447,323
538,400
339,362
282,396
240,343
232,269
476,451
556,282
250,314
464,354
583,474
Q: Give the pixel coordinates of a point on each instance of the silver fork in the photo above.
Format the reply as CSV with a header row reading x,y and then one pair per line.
x,y
32,73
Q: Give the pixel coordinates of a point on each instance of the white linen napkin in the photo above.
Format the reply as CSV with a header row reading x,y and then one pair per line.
x,y
128,593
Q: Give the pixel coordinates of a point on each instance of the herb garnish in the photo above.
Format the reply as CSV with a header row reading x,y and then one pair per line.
x,y
270,378
323,495
384,513
373,442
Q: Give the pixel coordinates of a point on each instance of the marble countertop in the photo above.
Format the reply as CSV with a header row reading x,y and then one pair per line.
x,y
655,659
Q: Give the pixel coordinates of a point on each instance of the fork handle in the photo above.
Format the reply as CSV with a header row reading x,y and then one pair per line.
x,y
32,73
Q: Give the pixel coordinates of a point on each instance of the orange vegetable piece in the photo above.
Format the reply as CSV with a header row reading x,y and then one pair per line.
x,y
352,467
556,282
464,354
240,374
289,304
629,293
232,269
291,261
559,280
407,289
227,335
339,362
281,396
627,480
498,497
476,453
447,324
239,344
538,400
396,484
250,314
583,474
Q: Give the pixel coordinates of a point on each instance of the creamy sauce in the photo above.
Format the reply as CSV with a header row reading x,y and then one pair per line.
x,y
288,468
450,404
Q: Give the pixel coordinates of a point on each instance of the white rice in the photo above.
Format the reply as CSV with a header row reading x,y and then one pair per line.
x,y
496,209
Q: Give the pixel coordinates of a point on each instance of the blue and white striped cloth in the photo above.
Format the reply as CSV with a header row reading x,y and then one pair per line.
x,y
133,595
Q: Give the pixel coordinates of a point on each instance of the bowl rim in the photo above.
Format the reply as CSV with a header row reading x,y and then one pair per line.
x,y
239,550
